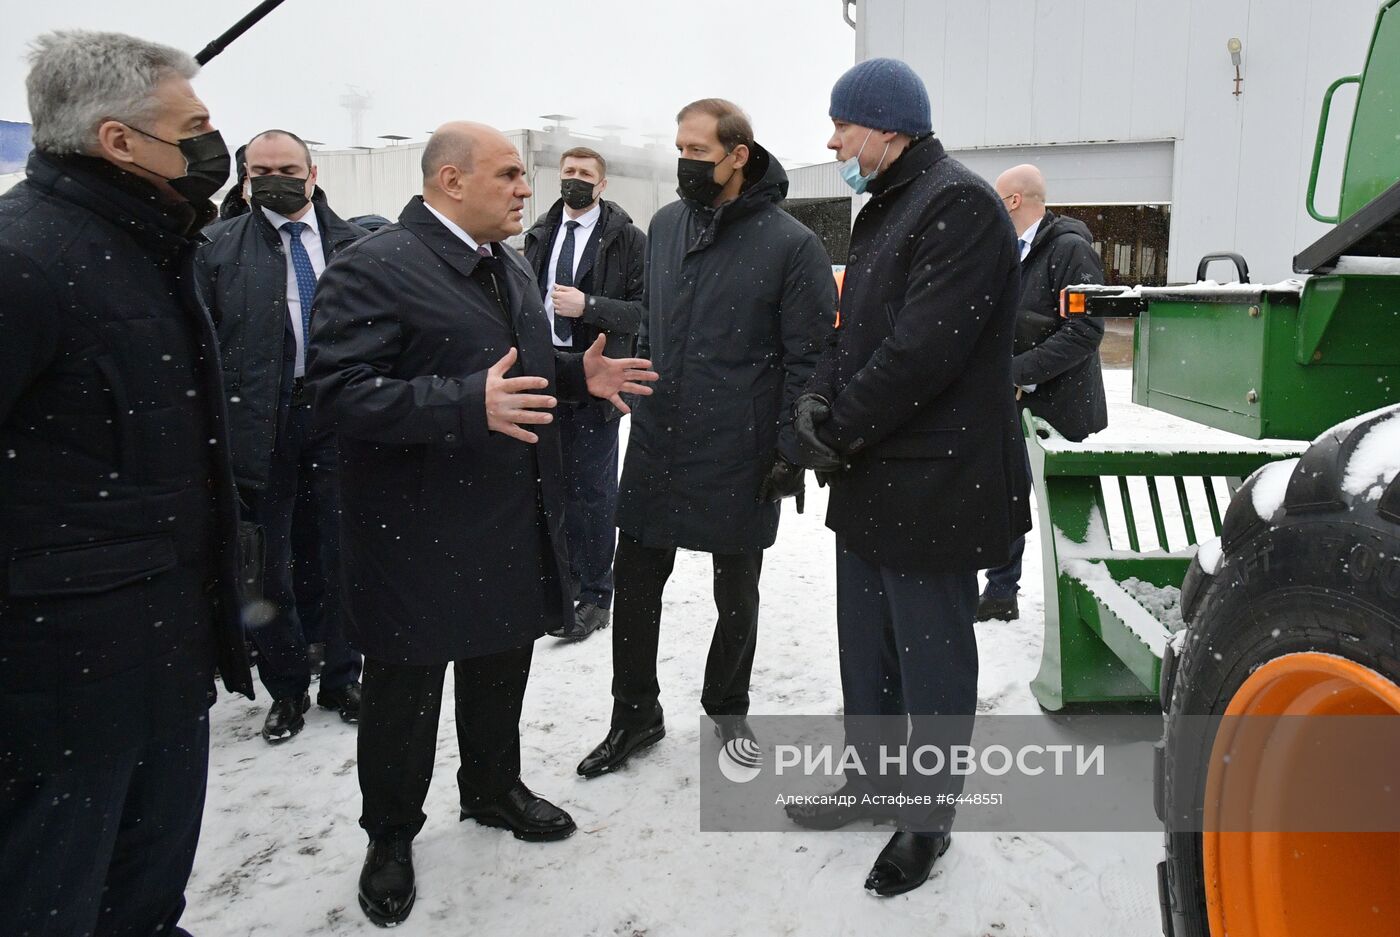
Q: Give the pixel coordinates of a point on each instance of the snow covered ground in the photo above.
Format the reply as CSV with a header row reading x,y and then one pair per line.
x,y
282,849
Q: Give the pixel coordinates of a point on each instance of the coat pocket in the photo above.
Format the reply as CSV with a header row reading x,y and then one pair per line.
x,y
920,444
90,568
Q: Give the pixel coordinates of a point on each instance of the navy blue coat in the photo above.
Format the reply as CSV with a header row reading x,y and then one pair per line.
x,y
118,527
919,374
452,540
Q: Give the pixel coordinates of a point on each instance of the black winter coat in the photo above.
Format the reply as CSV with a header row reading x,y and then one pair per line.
x,y
242,276
919,374
738,302
609,273
1060,356
118,526
452,541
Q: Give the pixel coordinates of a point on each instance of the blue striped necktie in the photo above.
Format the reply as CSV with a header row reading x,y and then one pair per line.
x,y
306,276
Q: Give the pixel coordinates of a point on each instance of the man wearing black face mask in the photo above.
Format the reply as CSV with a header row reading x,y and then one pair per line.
x,y
118,515
739,298
257,275
588,259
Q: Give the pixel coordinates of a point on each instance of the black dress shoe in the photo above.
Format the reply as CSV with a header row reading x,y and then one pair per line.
x,y
588,618
835,814
621,744
284,719
344,700
991,608
526,814
905,863
387,890
729,728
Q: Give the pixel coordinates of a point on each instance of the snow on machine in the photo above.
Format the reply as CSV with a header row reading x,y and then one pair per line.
x,y
1287,601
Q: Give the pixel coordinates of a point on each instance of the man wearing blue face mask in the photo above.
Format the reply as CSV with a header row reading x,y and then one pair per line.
x,y
911,418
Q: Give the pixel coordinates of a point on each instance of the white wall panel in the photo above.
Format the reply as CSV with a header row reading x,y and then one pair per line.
x,y
1107,68
1010,100
1047,72
1057,77
1086,174
966,51
1158,82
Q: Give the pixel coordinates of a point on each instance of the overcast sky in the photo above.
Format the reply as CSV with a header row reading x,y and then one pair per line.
x,y
504,62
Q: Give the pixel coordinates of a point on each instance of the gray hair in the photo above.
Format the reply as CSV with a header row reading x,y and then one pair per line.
x,y
78,79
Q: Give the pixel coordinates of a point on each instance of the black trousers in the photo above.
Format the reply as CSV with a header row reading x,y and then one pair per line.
x,y
104,849
397,740
641,578
589,440
301,452
908,653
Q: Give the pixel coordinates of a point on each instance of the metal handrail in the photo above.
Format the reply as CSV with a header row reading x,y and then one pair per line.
x,y
1317,147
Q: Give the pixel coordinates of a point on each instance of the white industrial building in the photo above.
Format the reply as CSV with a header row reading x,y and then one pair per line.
x,y
1129,108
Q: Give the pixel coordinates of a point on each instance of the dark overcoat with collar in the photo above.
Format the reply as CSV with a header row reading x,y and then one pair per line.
x,y
118,518
451,535
918,373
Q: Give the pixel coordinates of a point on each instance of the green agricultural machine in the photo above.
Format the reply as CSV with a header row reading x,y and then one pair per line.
x,y
1252,579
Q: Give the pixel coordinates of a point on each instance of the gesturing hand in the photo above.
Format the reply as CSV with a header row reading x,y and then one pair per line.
x,y
609,378
508,407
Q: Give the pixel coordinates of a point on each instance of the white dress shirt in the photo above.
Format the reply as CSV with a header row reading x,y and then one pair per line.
x,y
311,240
587,222
1028,238
454,228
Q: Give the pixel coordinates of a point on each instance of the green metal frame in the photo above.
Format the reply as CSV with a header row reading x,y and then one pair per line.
x,y
1090,654
1317,146
1371,166
1271,364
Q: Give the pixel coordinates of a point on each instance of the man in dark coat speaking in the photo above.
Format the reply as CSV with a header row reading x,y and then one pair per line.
x,y
739,297
118,516
431,358
912,416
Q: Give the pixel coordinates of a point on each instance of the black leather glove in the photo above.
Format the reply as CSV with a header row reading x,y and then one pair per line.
x,y
809,412
784,480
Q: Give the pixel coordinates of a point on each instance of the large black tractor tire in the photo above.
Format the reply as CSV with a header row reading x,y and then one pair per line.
x,y
1321,574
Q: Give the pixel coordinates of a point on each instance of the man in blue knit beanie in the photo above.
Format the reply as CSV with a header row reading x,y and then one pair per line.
x,y
911,420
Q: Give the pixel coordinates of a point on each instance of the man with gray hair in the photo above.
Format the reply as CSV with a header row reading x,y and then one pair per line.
x,y
117,511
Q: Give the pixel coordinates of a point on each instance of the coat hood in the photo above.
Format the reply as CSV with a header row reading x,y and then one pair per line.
x,y
614,218
1053,226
